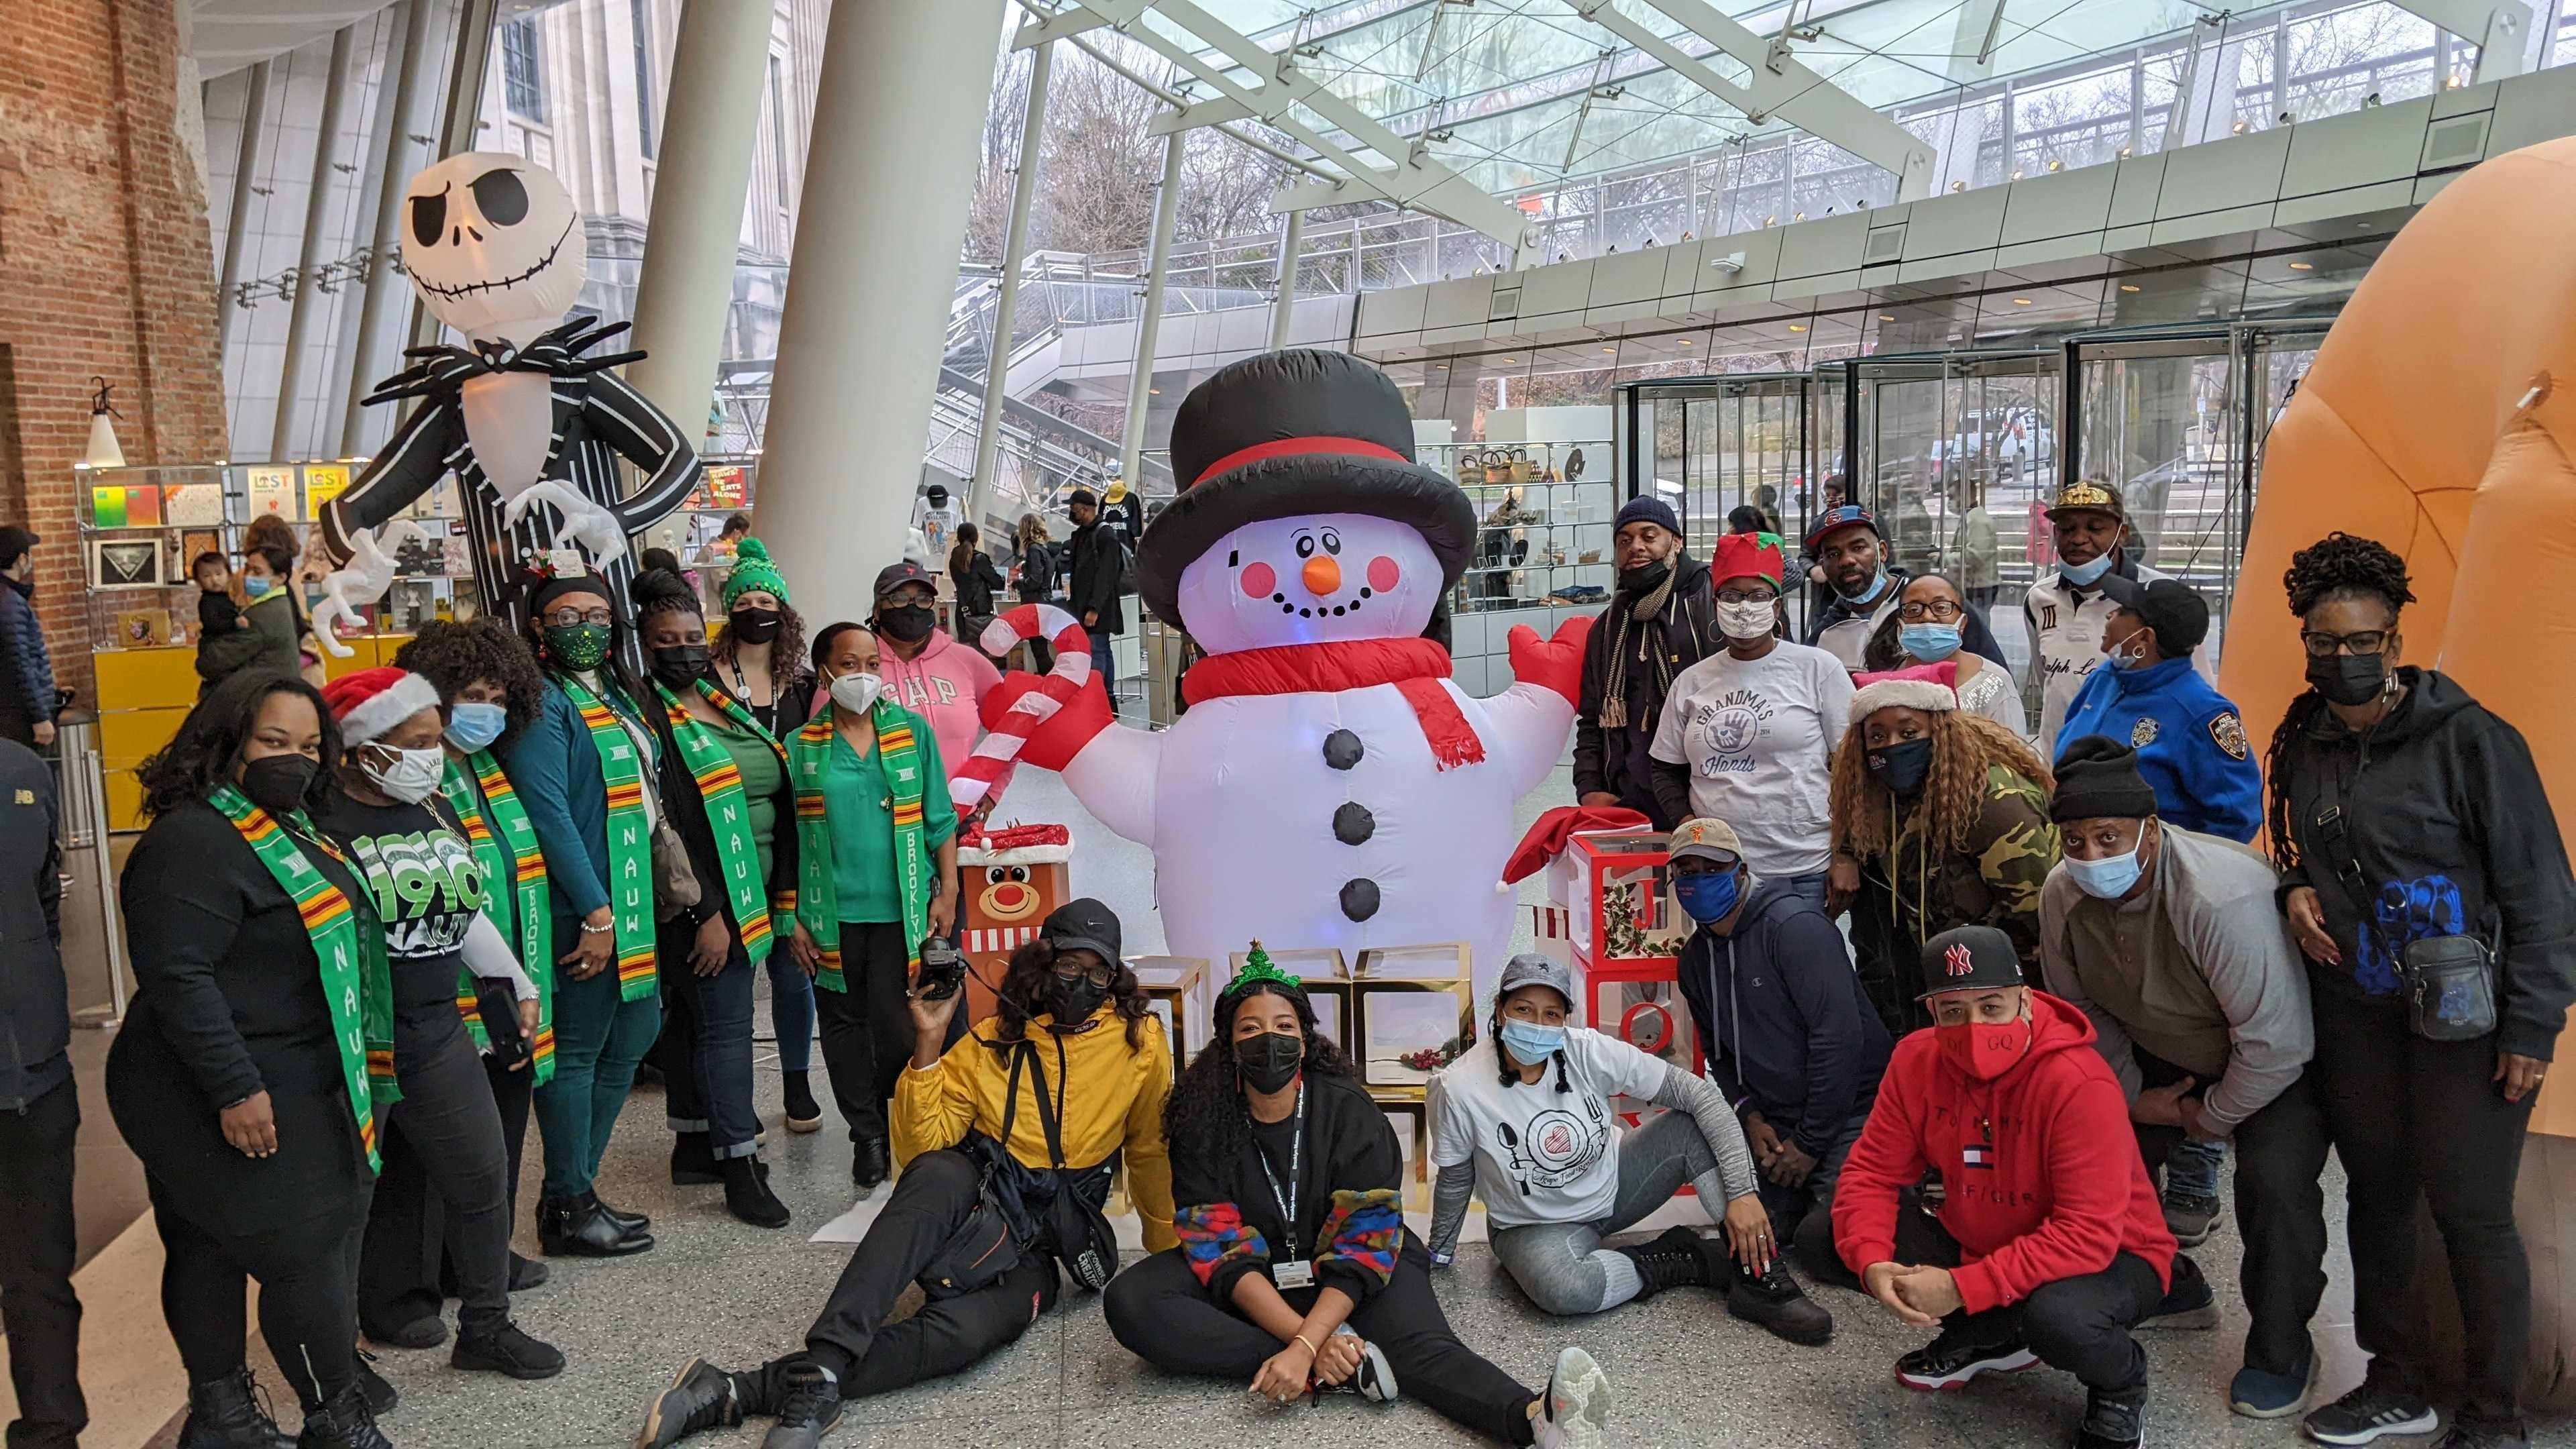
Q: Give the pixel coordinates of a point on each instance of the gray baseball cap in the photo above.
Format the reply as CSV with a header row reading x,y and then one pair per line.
x,y
1531,969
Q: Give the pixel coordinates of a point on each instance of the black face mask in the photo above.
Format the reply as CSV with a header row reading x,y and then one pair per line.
x,y
2349,679
752,625
276,783
1072,1000
679,664
1269,1061
907,622
1901,767
1645,578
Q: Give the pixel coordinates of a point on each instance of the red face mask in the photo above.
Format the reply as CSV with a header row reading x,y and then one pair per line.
x,y
1985,1050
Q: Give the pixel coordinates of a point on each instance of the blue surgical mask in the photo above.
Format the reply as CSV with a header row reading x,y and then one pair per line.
x,y
1531,1043
473,724
1930,643
1707,898
257,585
2108,878
2083,575
1877,586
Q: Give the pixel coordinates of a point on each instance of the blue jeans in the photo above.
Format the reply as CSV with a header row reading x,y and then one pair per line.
x,y
1811,887
1100,660
791,1010
2192,1167
599,1037
706,1080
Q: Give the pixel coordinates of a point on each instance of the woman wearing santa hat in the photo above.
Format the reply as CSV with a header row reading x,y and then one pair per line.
x,y
443,1133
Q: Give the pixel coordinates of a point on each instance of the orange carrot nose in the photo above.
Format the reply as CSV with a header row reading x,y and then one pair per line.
x,y
1322,576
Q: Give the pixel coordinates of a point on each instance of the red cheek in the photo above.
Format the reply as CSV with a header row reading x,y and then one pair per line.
x,y
1260,581
1383,573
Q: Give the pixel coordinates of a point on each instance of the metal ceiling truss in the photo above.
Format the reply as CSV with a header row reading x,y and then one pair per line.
x,y
1780,86
2501,29
1415,181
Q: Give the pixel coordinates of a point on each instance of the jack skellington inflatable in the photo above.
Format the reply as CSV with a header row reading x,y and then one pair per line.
x,y
530,426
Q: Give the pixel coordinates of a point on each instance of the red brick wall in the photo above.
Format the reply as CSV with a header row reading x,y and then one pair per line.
x,y
106,268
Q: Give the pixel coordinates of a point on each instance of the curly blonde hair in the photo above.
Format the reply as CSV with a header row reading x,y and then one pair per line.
x,y
1954,790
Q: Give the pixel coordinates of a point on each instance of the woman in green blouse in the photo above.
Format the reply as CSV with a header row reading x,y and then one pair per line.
x,y
724,784
877,843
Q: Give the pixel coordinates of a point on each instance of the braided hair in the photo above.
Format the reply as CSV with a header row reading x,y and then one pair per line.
x,y
1510,1075
1203,1119
2336,568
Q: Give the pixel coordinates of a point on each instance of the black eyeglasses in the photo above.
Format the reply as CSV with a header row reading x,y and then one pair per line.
x,y
1941,610
567,618
1102,976
2326,646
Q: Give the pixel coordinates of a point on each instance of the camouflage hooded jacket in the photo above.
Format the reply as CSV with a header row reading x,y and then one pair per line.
x,y
1995,881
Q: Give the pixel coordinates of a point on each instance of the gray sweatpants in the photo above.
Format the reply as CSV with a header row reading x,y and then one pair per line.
x,y
1561,1265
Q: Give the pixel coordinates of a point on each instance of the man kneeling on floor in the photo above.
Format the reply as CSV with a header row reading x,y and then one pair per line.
x,y
2050,1245
1072,1068
2168,941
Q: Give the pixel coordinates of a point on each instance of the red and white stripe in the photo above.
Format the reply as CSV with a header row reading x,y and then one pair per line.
x,y
999,938
1551,923
974,782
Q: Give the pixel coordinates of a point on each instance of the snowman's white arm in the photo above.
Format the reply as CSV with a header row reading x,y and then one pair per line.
x,y
1114,777
1525,730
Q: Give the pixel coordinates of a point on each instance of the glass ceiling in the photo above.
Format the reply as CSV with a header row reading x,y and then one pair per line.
x,y
1524,94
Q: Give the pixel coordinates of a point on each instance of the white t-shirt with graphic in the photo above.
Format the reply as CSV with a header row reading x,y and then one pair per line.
x,y
1759,739
1541,1155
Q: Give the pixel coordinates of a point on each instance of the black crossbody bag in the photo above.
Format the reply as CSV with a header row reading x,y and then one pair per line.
x,y
2449,982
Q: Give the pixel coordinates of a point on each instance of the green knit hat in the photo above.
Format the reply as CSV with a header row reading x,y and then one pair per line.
x,y
753,570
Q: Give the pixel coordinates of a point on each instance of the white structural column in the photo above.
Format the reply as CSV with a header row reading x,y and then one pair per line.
x,y
898,115
710,127
1149,323
1291,242
299,319
393,174
237,219
1006,305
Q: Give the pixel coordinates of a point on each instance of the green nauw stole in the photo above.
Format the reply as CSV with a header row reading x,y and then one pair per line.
x,y
630,846
816,903
505,848
719,783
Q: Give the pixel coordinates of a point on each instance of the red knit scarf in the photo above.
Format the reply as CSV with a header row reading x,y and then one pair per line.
x,y
1415,667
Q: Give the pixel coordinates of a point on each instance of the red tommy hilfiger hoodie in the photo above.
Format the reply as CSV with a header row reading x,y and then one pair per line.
x,y
2039,1166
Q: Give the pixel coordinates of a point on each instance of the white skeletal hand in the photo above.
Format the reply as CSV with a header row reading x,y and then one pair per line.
x,y
362,580
584,522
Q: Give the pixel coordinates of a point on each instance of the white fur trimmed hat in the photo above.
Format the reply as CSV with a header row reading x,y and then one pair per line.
x,y
1931,688
369,702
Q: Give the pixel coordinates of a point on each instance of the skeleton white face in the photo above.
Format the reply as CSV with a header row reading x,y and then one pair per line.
x,y
494,246
1306,580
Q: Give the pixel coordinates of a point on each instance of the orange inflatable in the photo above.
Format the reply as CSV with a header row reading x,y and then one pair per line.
x,y
2439,418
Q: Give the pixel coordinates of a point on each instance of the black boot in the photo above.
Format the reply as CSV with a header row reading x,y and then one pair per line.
x,y
629,1223
527,1273
381,1396
804,1114
693,1160
1774,1300
228,1414
870,1165
1673,1260
575,1227
344,1423
747,1194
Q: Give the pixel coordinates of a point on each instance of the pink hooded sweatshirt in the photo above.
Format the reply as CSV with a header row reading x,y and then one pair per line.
x,y
945,684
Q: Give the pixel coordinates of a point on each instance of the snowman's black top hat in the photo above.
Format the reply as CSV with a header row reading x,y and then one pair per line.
x,y
1291,433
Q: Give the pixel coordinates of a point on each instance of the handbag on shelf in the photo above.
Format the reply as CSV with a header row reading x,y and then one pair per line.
x,y
1520,466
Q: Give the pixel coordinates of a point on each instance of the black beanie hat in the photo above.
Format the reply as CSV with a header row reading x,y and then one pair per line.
x,y
2098,776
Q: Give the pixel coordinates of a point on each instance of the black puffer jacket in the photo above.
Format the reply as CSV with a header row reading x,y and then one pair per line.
x,y
2453,834
1686,631
35,1014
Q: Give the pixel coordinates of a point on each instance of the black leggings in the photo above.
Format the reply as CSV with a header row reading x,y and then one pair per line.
x,y
307,1271
1158,1309
867,1029
446,1152
2425,1121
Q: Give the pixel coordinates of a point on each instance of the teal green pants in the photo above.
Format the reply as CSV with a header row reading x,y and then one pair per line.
x,y
598,1040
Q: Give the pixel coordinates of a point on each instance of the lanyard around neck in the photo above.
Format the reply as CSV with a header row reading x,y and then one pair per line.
x,y
1296,1156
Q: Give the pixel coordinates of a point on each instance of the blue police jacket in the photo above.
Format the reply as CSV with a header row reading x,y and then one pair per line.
x,y
2190,741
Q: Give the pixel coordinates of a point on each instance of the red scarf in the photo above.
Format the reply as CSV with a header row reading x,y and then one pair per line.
x,y
1415,667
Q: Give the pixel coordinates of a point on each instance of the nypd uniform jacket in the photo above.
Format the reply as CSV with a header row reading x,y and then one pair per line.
x,y
2066,622
2191,745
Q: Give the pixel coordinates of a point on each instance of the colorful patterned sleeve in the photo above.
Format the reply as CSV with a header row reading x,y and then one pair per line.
x,y
1361,1236
1218,1244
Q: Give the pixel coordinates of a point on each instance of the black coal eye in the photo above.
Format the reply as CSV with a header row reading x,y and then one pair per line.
x,y
1305,545
501,197
428,218
1332,541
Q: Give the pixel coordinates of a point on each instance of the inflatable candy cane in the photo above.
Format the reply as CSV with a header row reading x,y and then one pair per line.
x,y
975,782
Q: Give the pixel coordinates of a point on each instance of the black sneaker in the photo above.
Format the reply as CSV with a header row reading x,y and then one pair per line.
x,y
380,1396
503,1349
1774,1300
527,1273
2189,1216
2189,1303
2368,1412
699,1396
809,1404
2113,1421
2475,1436
346,1422
1949,1361
427,1331
804,1114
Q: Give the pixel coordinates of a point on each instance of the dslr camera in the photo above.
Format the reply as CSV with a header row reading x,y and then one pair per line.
x,y
943,968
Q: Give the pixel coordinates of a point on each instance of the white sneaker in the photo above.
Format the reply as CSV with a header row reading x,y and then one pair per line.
x,y
1374,1380
1575,1411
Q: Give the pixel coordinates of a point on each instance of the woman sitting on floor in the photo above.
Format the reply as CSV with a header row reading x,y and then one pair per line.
x,y
1551,1205
1295,1271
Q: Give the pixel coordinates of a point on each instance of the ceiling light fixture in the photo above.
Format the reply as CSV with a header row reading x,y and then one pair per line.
x,y
2303,266
2128,286
1609,349
2016,173
2021,301
1886,316
1957,187
2056,165
2124,153
1797,326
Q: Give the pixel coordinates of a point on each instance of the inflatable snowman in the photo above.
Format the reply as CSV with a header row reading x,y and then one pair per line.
x,y
1329,785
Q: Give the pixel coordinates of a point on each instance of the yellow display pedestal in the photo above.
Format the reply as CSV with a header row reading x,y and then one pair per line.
x,y
143,694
